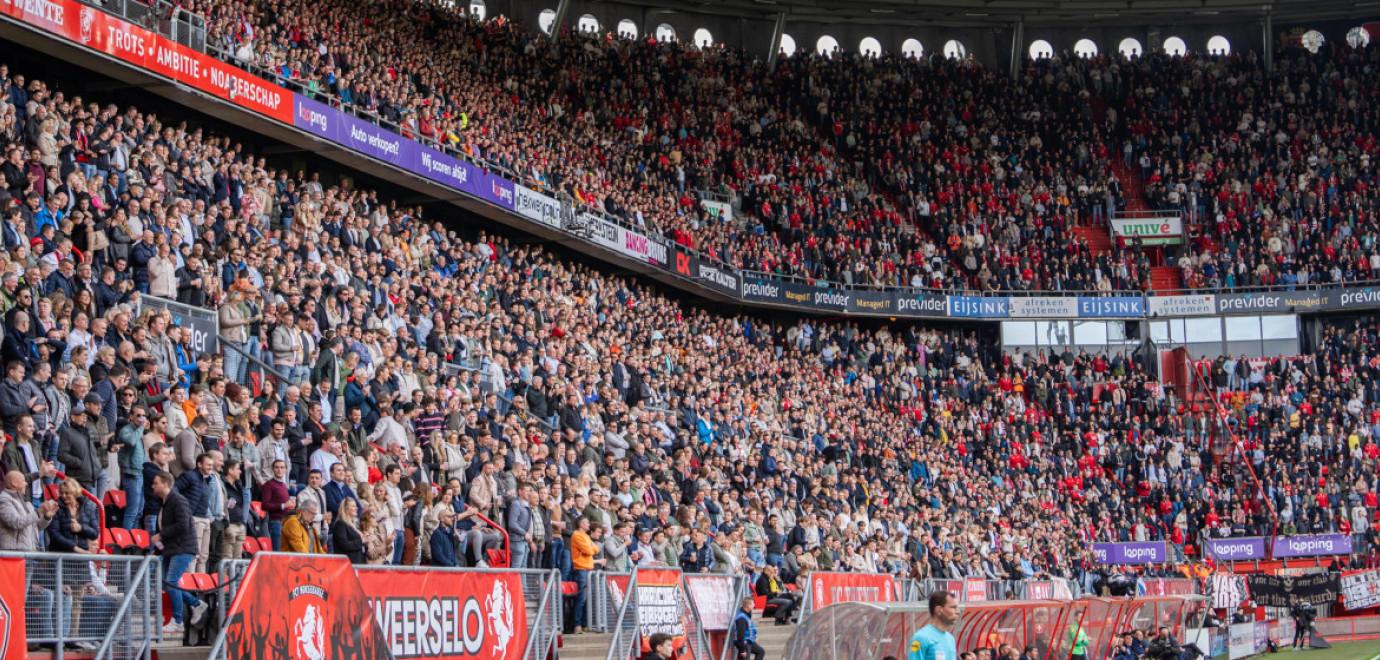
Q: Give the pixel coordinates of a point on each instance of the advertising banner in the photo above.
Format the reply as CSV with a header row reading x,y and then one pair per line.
x,y
310,607
1311,546
761,290
1241,640
448,615
720,211
1283,302
1043,307
922,304
829,588
203,323
618,587
1235,549
628,242
1262,636
1277,591
1168,230
533,205
1361,589
715,277
974,590
1112,307
975,307
871,302
1217,642
659,605
713,599
103,32
1182,305
365,138
14,644
1167,587
1150,552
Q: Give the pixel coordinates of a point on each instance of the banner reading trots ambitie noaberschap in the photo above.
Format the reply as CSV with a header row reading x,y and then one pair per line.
x,y
448,615
829,588
95,29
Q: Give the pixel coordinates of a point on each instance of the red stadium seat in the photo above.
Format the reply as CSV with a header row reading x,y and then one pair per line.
x,y
187,582
251,547
205,581
265,544
124,541
141,540
257,508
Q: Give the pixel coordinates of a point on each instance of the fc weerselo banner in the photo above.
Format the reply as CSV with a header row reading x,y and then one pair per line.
x,y
1275,591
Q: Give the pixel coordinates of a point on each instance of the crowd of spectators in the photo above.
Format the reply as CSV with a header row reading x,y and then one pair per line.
x,y
870,171
441,387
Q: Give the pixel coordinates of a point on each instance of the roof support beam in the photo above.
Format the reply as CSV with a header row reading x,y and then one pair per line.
x,y
776,32
562,10
1267,32
1017,40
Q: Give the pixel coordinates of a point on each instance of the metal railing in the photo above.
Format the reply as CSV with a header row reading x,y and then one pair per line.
x,y
231,571
744,590
111,602
625,631
602,605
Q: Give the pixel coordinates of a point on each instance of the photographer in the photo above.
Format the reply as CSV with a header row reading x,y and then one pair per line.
x,y
1164,647
1303,612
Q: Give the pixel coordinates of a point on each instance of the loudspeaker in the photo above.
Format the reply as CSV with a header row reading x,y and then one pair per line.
x,y
1316,641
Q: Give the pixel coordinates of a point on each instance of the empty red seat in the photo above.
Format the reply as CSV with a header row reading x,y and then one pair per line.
x,y
265,544
124,542
187,582
251,547
569,588
205,582
108,541
115,498
50,491
257,508
141,539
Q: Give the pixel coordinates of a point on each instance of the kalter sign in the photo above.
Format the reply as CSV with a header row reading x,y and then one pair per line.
x,y
94,29
448,615
829,588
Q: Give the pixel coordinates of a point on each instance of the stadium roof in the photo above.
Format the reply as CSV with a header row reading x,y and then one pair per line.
x,y
1048,13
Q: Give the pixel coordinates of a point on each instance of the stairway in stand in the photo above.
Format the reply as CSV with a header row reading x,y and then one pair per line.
x,y
773,638
589,646
592,646
1166,280
1098,239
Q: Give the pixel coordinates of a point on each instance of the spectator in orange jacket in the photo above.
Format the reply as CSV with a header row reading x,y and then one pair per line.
x,y
582,551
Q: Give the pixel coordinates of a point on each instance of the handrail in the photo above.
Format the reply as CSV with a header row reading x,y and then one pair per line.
x,y
550,596
122,612
744,591
229,343
616,643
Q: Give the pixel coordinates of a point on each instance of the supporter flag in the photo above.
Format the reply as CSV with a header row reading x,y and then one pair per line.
x,y
302,607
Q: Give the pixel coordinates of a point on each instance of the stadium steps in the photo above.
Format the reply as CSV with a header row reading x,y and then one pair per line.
x,y
1131,185
589,646
773,638
1098,239
1166,279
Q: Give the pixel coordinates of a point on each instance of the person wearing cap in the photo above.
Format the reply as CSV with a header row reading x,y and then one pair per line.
x,y
80,458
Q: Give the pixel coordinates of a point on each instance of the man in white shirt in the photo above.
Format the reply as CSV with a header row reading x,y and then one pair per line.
x,y
328,455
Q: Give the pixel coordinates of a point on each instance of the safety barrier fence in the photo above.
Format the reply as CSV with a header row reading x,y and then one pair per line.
x,y
1353,627
623,626
521,606
605,592
111,604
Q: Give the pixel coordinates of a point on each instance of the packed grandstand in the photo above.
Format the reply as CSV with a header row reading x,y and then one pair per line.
x,y
399,383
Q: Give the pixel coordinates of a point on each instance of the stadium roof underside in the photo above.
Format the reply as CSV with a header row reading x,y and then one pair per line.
x,y
992,13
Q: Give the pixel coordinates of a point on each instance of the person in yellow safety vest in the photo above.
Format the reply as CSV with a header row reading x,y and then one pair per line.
x,y
1078,640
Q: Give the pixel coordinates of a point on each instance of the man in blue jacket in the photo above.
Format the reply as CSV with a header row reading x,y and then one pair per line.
x,y
443,541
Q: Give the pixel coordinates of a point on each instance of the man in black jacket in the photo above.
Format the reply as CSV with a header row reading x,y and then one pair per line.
x,y
785,602
744,634
77,452
177,538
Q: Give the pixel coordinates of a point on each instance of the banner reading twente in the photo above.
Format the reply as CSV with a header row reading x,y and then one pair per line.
x,y
829,588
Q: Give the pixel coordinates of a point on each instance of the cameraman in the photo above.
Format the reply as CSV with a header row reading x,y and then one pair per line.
x,y
1304,612
1164,647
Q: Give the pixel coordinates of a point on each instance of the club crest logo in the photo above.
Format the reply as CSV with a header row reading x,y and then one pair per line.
x,y
306,609
500,606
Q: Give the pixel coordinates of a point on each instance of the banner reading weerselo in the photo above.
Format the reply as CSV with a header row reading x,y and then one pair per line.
x,y
659,605
1276,591
450,615
1151,552
829,588
1361,589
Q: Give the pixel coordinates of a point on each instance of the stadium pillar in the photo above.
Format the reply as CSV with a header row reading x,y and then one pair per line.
x,y
562,10
1017,38
1268,28
776,32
